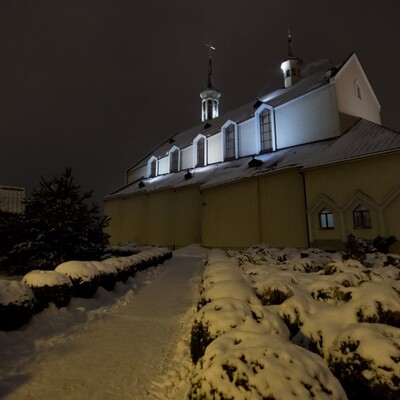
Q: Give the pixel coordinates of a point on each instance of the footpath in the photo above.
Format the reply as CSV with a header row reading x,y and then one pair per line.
x,y
120,354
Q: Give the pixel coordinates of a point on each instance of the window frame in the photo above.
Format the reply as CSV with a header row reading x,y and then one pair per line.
x,y
172,160
326,219
362,217
231,140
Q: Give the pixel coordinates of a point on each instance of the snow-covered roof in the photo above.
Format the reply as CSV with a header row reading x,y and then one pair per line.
x,y
364,139
243,113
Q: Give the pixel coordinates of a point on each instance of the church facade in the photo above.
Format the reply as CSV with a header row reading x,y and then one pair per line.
x,y
302,166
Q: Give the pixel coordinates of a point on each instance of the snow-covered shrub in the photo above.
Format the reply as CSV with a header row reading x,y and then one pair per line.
x,y
366,359
16,304
49,287
84,277
108,274
122,267
248,365
274,291
377,302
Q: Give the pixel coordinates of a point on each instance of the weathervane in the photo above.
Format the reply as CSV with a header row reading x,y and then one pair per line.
x,y
210,48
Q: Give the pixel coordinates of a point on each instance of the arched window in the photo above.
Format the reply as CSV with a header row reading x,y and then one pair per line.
x,y
357,89
361,217
326,219
200,152
265,131
174,160
153,168
230,142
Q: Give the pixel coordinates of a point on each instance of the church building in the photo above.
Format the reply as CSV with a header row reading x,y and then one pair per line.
x,y
303,166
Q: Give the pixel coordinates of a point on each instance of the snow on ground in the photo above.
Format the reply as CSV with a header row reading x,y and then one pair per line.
x,y
269,322
130,343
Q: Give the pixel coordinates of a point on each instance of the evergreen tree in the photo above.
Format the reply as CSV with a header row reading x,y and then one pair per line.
x,y
59,225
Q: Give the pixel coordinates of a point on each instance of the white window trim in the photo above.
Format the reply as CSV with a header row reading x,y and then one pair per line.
x,y
223,130
257,124
195,140
172,149
149,166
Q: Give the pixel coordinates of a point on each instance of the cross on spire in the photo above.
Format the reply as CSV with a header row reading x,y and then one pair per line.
x,y
210,48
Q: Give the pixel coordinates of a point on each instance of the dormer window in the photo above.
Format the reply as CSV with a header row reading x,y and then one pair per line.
x,y
200,150
230,142
152,167
265,131
174,160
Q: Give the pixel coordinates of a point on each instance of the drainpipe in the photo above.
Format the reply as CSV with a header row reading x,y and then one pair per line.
x,y
306,206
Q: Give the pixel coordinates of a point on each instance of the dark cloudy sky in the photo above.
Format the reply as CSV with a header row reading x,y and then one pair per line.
x,y
97,84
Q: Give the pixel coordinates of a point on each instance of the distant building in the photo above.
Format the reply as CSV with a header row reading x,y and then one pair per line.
x,y
302,166
12,199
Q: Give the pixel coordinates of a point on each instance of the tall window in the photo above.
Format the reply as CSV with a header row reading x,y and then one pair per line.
x,y
153,168
361,217
230,142
265,131
174,161
200,153
326,219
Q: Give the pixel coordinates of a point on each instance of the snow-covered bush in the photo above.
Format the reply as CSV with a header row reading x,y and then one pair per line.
x,y
16,304
248,365
84,277
49,287
108,274
366,359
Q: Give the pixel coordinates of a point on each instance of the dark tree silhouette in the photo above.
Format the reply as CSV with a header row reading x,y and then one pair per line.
x,y
58,225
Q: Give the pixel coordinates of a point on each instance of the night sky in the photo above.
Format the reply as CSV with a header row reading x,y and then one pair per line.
x,y
96,85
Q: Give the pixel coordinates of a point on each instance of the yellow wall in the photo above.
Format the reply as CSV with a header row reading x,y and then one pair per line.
x,y
270,210
166,218
371,182
282,209
230,215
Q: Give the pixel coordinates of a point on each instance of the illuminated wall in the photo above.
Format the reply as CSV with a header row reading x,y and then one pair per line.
x,y
307,119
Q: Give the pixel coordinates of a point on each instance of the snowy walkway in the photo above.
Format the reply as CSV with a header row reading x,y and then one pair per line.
x,y
118,354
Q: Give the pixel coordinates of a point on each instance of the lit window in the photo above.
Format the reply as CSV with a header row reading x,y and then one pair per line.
x,y
265,131
153,168
200,152
230,142
361,217
174,161
326,219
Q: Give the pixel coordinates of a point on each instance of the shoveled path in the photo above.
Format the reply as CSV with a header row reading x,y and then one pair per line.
x,y
118,355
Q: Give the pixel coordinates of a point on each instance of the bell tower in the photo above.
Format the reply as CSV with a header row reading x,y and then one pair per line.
x,y
291,67
210,96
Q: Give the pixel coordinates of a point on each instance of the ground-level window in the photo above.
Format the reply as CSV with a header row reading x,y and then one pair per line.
x,y
174,161
326,220
361,217
230,144
200,152
265,131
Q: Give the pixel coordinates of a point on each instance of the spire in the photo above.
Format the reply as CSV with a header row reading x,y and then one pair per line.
x,y
290,45
291,67
210,73
210,96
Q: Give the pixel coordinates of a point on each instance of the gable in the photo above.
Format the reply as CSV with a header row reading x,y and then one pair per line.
x,y
355,95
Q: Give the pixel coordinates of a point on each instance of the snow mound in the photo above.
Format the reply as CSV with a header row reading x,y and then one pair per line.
x,y
39,278
82,271
366,358
245,365
14,292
